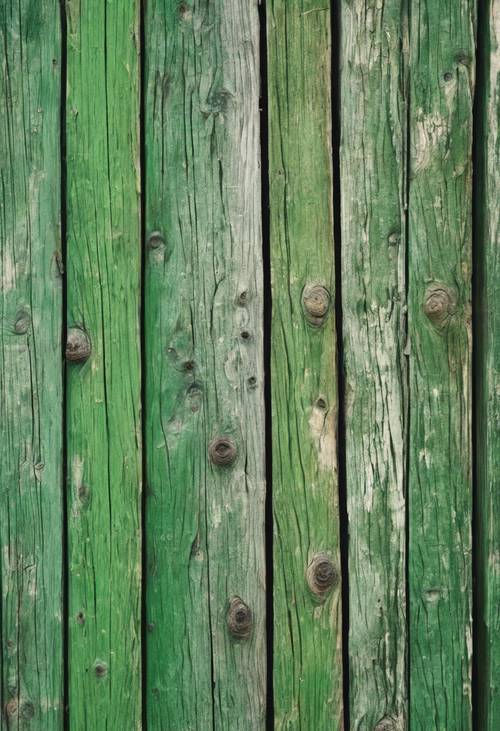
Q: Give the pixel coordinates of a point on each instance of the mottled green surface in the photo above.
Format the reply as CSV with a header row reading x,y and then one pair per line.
x,y
487,363
373,151
30,366
204,365
103,406
307,628
439,313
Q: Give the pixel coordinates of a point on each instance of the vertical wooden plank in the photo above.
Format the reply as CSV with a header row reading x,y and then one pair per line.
x,y
103,414
307,609
30,366
373,152
487,365
205,505
440,495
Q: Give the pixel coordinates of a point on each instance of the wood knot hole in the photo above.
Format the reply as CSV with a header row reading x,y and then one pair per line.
x,y
100,669
439,304
222,451
80,617
155,240
316,303
322,575
22,323
239,619
78,347
386,724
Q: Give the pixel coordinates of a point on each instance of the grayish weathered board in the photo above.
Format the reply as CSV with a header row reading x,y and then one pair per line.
x,y
439,313
372,155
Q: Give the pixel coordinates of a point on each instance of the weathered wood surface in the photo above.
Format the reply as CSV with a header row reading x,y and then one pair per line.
x,y
373,151
103,392
439,312
487,366
30,367
205,603
307,610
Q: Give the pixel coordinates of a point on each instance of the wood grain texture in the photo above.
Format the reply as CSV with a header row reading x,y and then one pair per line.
x,y
205,521
373,151
487,366
30,366
307,610
440,494
103,408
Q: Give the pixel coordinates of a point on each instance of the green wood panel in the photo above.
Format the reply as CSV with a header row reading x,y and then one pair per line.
x,y
307,608
439,312
103,391
373,153
30,366
487,366
206,656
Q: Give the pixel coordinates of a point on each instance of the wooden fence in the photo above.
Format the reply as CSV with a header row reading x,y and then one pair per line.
x,y
247,245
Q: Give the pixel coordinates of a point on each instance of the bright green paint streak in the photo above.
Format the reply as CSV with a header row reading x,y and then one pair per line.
x,y
103,410
487,391
205,524
30,366
440,490
307,633
373,153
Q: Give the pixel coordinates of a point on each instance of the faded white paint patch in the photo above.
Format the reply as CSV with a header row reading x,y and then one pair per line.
x,y
429,131
322,426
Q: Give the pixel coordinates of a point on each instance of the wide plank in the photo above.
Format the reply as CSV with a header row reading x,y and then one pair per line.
x,y
205,604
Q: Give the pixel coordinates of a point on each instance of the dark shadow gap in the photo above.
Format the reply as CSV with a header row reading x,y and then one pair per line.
x,y
142,316
336,39
480,660
405,61
266,251
64,325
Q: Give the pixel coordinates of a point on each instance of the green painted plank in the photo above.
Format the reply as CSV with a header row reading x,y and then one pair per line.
x,y
487,382
307,608
373,153
103,391
440,494
206,657
30,366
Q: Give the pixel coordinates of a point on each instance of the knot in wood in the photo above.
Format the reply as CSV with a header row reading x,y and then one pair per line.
x,y
78,346
386,724
438,304
155,240
22,710
322,575
22,323
100,669
316,303
239,619
222,451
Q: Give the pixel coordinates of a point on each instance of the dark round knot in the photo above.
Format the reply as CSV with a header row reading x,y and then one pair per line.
x,y
386,724
222,451
239,619
316,303
438,304
322,575
100,669
78,346
155,240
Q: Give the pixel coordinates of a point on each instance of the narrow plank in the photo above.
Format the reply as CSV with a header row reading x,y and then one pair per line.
x,y
487,366
373,152
206,655
103,411
30,366
307,608
440,495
